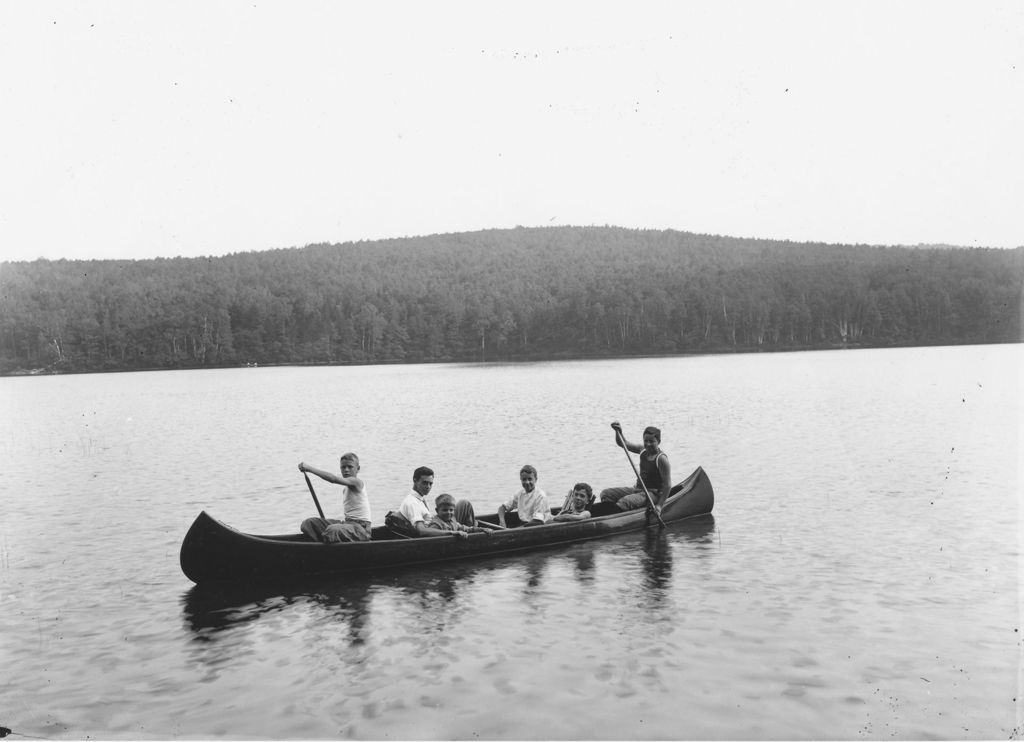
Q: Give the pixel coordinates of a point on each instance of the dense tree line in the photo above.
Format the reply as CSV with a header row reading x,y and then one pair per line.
x,y
501,294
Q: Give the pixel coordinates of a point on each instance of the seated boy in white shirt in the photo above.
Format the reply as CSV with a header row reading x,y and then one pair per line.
x,y
531,502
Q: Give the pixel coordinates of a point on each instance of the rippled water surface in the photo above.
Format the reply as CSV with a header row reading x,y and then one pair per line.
x,y
859,578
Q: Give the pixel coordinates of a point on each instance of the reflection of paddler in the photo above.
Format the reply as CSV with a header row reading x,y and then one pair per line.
x,y
657,563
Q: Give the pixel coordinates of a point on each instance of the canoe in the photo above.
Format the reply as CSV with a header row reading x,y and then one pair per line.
x,y
213,551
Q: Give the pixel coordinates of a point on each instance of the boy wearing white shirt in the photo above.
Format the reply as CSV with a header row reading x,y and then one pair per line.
x,y
530,502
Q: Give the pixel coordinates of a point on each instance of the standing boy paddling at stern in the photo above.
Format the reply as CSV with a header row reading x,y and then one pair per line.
x,y
356,504
655,472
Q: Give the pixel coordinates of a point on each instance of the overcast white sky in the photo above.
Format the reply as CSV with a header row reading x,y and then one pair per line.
x,y
141,129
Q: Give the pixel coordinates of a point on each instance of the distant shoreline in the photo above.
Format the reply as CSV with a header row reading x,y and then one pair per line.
x,y
547,358
502,295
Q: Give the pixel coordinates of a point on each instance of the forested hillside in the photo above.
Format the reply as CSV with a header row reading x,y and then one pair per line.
x,y
501,294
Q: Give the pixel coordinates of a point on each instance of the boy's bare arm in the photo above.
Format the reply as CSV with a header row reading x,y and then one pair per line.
x,y
665,469
620,440
422,529
354,482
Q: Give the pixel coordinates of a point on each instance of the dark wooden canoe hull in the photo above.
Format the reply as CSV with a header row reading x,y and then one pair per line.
x,y
213,551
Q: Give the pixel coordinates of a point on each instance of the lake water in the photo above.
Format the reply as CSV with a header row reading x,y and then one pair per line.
x,y
859,579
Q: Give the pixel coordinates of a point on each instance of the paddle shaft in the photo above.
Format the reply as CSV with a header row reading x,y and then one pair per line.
x,y
315,501
650,500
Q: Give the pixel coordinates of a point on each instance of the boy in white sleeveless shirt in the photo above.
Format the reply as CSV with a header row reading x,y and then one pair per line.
x,y
355,502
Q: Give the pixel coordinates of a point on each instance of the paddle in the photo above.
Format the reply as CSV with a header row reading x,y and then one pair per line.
x,y
494,526
565,503
650,500
316,501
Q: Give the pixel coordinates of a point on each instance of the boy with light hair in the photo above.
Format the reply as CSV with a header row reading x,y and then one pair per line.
x,y
530,503
445,520
355,503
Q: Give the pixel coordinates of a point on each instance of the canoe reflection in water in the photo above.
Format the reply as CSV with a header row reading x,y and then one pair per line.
x,y
210,609
384,629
